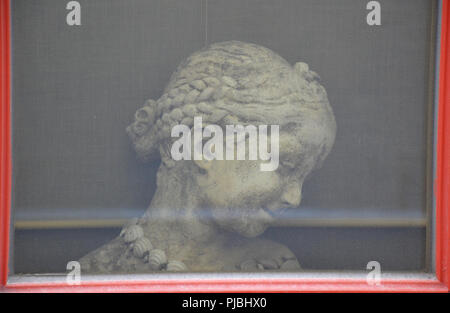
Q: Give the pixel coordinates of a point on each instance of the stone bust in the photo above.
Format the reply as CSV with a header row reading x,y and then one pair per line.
x,y
206,215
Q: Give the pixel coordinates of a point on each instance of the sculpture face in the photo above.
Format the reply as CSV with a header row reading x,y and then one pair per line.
x,y
246,200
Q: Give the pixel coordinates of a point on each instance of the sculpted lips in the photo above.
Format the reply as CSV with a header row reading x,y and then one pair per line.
x,y
269,212
275,209
266,214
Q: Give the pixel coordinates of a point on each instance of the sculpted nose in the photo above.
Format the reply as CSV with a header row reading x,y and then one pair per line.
x,y
292,196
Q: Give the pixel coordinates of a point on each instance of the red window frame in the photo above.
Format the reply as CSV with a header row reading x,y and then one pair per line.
x,y
441,282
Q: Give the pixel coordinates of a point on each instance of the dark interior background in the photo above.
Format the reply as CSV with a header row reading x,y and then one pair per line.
x,y
75,89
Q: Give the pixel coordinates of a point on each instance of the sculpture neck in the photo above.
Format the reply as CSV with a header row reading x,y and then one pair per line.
x,y
176,207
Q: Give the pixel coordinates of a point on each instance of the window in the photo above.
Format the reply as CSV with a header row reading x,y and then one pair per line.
x,y
303,141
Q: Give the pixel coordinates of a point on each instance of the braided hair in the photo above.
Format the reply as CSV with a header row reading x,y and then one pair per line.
x,y
233,83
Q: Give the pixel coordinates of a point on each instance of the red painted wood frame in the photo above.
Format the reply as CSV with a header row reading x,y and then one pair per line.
x,y
442,195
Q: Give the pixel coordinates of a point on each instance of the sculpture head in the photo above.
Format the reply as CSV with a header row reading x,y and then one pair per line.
x,y
235,83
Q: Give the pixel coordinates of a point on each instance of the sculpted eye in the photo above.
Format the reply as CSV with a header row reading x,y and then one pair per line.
x,y
289,165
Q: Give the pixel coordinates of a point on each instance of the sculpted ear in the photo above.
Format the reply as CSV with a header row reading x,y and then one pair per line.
x,y
204,164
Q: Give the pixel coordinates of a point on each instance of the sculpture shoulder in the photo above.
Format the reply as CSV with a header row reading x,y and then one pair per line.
x,y
268,255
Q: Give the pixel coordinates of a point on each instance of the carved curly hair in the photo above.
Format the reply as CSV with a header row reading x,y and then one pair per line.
x,y
235,83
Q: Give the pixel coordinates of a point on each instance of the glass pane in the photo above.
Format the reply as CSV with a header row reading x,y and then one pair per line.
x,y
335,99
